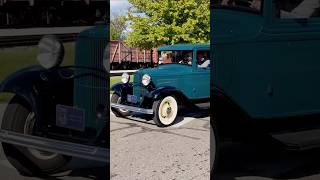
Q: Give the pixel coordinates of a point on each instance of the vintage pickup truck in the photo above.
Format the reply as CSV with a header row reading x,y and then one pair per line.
x,y
265,72
181,78
58,112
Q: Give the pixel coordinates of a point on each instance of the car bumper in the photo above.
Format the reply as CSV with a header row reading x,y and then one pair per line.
x,y
132,108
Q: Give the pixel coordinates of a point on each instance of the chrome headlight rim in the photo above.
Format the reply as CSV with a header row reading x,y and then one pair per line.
x,y
50,52
125,78
146,79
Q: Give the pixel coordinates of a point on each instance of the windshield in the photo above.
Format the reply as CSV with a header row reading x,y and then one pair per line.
x,y
251,5
175,57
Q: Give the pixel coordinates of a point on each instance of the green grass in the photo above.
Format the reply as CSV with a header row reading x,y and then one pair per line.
x,y
13,59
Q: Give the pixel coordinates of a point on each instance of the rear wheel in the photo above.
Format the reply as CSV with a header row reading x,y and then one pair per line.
x,y
116,99
165,111
19,117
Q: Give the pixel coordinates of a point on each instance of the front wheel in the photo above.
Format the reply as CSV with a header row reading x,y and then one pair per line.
x,y
116,99
165,111
19,117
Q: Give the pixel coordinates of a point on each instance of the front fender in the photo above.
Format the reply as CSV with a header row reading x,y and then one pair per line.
x,y
42,89
121,88
21,83
166,91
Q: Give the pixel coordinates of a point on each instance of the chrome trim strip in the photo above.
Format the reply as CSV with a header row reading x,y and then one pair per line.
x,y
132,108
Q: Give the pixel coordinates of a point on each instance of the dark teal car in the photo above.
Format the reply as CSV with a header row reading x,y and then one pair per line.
x,y
58,112
181,78
266,72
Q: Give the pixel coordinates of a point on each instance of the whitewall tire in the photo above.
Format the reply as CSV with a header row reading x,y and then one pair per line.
x,y
165,111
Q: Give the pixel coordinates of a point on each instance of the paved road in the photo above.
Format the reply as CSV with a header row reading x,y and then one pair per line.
x,y
76,169
141,150
248,162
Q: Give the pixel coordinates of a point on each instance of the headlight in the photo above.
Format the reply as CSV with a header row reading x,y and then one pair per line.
x,y
146,79
50,52
125,78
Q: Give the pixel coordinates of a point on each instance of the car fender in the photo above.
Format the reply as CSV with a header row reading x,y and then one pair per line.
x,y
121,88
161,92
39,87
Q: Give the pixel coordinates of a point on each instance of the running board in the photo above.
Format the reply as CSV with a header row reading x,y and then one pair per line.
x,y
56,146
302,140
132,108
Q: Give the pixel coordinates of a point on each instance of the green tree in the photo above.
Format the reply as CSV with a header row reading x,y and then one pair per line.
x,y
118,26
167,22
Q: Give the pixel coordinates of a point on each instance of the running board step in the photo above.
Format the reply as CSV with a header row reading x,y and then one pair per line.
x,y
56,146
300,140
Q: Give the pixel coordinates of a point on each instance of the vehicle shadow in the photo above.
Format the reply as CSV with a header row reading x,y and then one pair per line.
x,y
92,172
247,161
184,113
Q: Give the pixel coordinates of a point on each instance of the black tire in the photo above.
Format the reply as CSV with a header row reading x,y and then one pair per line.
x,y
214,147
115,98
26,160
162,120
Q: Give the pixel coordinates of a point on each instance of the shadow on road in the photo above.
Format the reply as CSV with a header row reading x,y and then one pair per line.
x,y
243,161
97,173
184,113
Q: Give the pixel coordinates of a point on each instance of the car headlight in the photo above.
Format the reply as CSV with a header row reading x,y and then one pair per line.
x,y
125,78
50,52
146,79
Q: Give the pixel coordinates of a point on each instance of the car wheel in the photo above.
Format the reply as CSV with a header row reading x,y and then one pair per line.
x,y
214,148
116,99
165,111
19,117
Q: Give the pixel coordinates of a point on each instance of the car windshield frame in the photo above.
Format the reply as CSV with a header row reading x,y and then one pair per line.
x,y
240,8
189,51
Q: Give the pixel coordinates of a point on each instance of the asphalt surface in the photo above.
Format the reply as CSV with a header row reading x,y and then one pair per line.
x,y
77,169
141,150
252,162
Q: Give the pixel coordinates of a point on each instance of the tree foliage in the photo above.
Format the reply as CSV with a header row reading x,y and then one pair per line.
x,y
118,26
167,22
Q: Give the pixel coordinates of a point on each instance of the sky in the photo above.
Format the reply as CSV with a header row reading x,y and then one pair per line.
x,y
119,6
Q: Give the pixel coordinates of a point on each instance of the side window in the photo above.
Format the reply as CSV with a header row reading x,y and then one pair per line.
x,y
203,59
297,9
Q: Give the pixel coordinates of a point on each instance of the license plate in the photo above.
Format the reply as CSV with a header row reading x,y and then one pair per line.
x,y
70,117
132,98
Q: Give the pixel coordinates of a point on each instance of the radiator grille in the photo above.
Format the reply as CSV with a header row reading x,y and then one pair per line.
x,y
91,87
